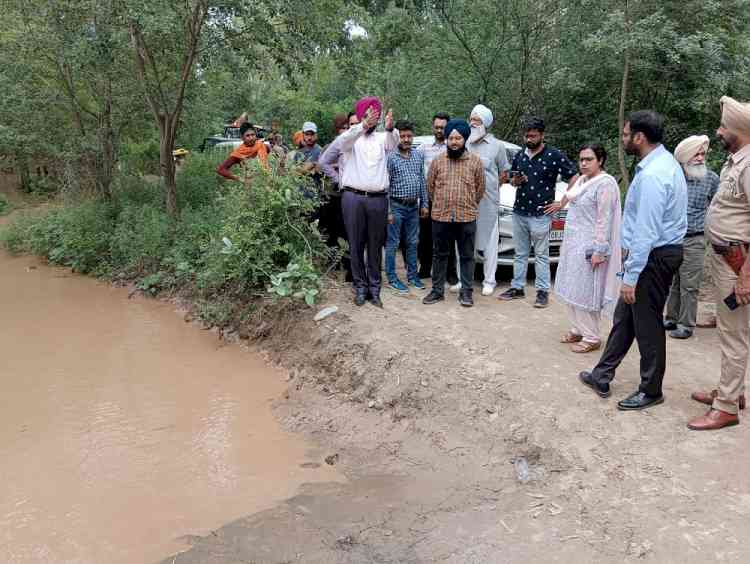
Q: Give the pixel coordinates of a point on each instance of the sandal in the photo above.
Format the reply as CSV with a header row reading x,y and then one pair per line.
x,y
585,347
571,338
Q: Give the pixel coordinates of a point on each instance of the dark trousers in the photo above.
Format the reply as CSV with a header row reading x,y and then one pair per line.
x,y
365,218
424,252
445,237
331,224
643,322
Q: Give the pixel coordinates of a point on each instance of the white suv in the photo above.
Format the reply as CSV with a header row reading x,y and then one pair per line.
x,y
506,247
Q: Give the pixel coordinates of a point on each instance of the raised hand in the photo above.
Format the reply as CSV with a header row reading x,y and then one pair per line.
x,y
389,120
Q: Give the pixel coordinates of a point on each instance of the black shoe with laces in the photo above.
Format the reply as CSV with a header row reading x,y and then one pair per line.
x,y
542,299
512,294
465,298
432,298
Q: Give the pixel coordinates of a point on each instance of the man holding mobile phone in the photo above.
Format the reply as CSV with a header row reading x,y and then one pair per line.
x,y
728,230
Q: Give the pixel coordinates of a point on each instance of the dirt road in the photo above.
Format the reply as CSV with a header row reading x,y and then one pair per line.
x,y
431,411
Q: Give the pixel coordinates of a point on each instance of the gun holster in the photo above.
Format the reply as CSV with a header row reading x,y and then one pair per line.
x,y
734,254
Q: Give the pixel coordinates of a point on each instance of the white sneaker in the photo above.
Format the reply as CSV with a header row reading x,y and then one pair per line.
x,y
487,290
455,288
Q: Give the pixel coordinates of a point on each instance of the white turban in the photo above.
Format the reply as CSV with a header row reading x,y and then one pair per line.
x,y
735,115
483,113
688,148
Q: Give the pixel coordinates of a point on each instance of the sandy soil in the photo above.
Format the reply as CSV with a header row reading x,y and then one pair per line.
x,y
430,413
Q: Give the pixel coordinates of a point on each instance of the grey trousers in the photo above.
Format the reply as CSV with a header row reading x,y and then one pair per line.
x,y
682,305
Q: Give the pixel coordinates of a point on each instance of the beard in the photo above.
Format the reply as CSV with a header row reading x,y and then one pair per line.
x,y
533,146
455,153
477,132
404,147
630,149
695,171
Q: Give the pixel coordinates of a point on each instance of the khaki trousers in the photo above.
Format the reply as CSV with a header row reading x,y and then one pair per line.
x,y
734,337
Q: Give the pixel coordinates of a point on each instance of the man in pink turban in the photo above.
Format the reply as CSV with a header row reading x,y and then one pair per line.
x,y
366,103
728,230
702,183
364,183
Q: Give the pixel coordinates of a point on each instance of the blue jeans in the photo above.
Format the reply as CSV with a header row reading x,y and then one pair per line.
x,y
528,230
405,224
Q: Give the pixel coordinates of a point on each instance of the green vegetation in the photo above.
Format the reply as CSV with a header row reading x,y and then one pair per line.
x,y
97,94
4,204
228,244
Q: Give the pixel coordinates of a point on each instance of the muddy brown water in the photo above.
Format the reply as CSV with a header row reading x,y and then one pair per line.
x,y
123,429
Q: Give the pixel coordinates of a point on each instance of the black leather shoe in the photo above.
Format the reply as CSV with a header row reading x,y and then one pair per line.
x,y
669,325
432,298
542,299
465,298
360,298
376,302
681,333
639,400
602,390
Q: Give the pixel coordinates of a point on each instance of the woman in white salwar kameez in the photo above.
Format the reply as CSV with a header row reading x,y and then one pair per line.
x,y
590,257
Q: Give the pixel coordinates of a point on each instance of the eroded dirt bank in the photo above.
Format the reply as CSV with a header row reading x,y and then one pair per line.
x,y
428,408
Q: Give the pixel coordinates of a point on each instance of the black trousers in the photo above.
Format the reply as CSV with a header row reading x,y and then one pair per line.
x,y
331,224
424,252
643,322
445,237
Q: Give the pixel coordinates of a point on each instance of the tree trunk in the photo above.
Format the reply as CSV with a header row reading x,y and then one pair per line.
x,y
24,174
621,113
107,143
167,132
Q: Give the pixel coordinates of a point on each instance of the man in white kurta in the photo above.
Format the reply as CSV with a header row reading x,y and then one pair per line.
x,y
495,163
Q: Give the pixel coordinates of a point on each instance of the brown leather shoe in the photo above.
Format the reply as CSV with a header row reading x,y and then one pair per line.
x,y
714,419
709,397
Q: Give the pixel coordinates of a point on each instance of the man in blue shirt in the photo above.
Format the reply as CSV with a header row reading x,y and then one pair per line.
x,y
653,227
534,174
407,201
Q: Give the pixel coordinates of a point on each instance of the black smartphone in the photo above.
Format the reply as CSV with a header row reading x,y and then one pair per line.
x,y
731,301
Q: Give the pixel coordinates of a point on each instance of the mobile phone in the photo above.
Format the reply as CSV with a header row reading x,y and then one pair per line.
x,y
731,301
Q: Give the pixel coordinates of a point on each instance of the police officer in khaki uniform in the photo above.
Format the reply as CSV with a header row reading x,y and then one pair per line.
x,y
728,230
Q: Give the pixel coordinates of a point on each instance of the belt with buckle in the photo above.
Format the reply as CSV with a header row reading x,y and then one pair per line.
x,y
405,201
364,192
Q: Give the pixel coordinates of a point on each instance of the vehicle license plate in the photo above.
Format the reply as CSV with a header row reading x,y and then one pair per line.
x,y
556,234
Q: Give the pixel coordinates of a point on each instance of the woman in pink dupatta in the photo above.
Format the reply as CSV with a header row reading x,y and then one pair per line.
x,y
590,258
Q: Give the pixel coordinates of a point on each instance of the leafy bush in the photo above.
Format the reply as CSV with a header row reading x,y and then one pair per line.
x,y
229,242
265,228
141,157
141,239
76,236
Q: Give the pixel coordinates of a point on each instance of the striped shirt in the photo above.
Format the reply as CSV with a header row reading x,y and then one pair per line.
x,y
430,151
406,176
455,187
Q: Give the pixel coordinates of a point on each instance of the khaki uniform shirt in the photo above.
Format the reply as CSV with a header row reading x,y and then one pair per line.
x,y
728,217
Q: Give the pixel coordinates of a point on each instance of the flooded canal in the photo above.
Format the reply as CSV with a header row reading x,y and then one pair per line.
x,y
123,429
